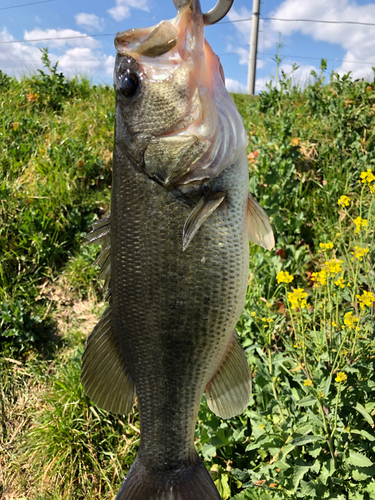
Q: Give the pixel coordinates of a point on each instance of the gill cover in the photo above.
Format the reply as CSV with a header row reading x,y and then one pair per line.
x,y
208,135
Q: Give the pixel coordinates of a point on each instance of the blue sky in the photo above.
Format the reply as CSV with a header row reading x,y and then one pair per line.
x,y
348,47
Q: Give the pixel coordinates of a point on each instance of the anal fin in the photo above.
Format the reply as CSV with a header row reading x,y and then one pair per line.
x,y
104,375
229,391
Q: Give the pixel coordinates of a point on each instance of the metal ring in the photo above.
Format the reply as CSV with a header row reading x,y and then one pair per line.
x,y
214,15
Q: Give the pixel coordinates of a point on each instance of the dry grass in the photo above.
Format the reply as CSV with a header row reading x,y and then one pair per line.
x,y
25,387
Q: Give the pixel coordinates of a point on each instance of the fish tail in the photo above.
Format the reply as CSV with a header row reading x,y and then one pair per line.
x,y
190,482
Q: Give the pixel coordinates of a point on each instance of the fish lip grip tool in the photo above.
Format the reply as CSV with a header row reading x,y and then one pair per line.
x,y
214,15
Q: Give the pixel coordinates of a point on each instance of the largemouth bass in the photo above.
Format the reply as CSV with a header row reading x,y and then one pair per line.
x,y
175,254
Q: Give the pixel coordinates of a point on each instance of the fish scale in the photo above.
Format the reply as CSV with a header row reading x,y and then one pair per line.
x,y
140,296
176,255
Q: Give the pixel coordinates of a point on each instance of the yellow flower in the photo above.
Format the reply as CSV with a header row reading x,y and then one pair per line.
x,y
359,252
367,177
366,299
333,266
344,201
341,377
359,222
340,282
308,382
333,323
326,246
252,314
320,277
15,126
338,235
321,395
350,320
262,426
284,277
297,298
295,141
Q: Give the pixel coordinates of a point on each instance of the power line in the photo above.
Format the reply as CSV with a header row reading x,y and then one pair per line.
x,y
221,22
297,20
57,38
26,4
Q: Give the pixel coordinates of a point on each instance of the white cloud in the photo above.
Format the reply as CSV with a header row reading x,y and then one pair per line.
x,y
122,8
235,86
17,58
89,20
242,40
59,35
357,40
22,58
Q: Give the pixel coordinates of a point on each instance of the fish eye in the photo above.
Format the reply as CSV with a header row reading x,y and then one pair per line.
x,y
129,84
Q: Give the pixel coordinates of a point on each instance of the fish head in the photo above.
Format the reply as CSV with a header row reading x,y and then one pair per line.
x,y
173,114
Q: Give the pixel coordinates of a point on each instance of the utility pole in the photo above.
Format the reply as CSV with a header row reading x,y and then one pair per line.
x,y
253,48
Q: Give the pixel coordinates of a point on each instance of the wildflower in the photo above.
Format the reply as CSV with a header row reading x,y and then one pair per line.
x,y
367,177
267,321
284,277
297,368
320,277
333,266
366,299
359,252
252,314
326,246
297,298
350,320
359,222
15,126
262,426
341,377
308,382
340,282
344,201
295,141
32,97
320,394
334,324
338,235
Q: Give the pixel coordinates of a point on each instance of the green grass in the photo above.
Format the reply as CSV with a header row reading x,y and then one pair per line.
x,y
304,434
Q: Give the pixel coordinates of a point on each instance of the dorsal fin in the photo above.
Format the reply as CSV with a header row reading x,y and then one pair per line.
x,y
101,234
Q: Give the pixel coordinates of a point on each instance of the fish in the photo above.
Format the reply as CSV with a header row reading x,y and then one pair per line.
x,y
175,254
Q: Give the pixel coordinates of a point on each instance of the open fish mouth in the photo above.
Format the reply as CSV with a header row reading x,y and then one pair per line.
x,y
206,125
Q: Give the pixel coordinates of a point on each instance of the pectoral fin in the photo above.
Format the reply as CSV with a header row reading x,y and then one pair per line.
x,y
202,210
104,375
258,225
229,391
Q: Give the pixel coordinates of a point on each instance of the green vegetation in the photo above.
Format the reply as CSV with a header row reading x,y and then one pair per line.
x,y
307,329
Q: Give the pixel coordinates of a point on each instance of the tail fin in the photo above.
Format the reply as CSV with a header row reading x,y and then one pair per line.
x,y
191,482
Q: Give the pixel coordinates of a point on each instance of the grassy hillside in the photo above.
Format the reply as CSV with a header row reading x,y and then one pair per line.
x,y
308,325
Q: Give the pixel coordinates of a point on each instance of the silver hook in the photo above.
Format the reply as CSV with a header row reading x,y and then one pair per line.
x,y
214,15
